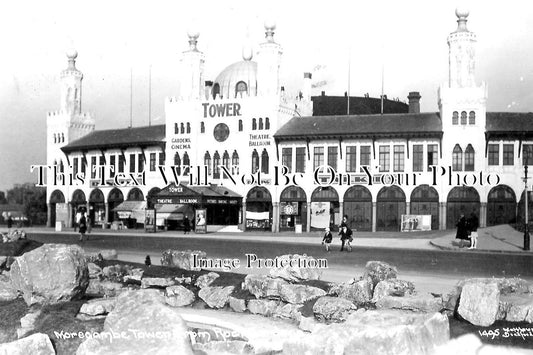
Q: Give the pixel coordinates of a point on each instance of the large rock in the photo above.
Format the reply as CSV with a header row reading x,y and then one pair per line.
x,y
479,302
95,271
358,292
37,343
98,306
141,324
206,279
393,287
300,269
516,308
263,286
333,309
298,294
182,259
157,282
51,273
375,332
378,271
178,296
417,303
237,304
7,291
104,288
27,323
288,311
263,307
216,297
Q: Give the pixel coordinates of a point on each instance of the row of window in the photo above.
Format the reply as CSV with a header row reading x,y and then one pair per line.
x,y
118,162
256,124
213,164
181,128
471,118
457,158
59,137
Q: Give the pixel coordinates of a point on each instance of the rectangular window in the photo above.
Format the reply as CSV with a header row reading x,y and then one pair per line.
x,y
75,166
332,157
152,161
318,157
399,158
508,154
418,157
140,163
132,163
286,158
433,157
494,154
93,167
121,163
300,160
527,154
351,158
162,158
112,166
364,158
384,158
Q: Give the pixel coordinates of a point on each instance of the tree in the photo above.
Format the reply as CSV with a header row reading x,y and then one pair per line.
x,y
3,199
33,200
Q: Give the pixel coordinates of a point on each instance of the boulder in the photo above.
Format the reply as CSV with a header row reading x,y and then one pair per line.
x,y
135,275
108,254
298,294
37,343
117,272
183,259
334,309
309,324
51,273
418,303
7,291
183,280
299,270
263,286
237,304
178,296
263,307
206,279
479,302
393,287
27,323
516,308
378,271
95,271
375,332
288,311
157,282
216,297
358,292
93,257
104,288
98,306
141,324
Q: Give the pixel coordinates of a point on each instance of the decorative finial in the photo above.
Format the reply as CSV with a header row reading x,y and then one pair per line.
x,y
247,53
462,15
72,54
193,39
270,26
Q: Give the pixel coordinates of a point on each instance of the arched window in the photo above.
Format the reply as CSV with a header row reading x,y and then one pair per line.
x,y
188,127
61,166
457,158
264,162
55,162
463,117
241,89
455,118
254,124
216,90
62,137
235,162
267,123
225,162
176,128
182,126
202,127
255,161
260,123
177,163
472,117
240,125
216,163
207,162
469,158
186,164
55,139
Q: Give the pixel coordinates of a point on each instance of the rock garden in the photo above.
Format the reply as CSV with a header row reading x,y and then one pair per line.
x,y
57,299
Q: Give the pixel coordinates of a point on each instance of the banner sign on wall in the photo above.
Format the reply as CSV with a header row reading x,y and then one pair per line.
x,y
200,221
415,223
320,214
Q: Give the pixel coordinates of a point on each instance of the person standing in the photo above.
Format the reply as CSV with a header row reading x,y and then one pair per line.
x,y
186,225
342,230
462,230
328,237
9,223
82,226
473,224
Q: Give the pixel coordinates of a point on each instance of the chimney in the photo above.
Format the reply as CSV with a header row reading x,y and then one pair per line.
x,y
414,102
306,89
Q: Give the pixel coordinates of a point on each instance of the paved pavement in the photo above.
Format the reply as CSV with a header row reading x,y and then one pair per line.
x,y
501,238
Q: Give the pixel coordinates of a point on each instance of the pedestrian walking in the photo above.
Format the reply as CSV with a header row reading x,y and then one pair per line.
x,y
77,220
148,261
462,230
473,224
89,226
328,238
186,225
9,223
343,229
82,226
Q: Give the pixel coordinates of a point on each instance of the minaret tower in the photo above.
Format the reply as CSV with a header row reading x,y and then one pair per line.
x,y
268,63
462,53
71,85
192,66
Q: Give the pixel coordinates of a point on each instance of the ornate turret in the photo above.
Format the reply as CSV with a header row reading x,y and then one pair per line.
x,y
462,53
71,85
192,70
268,63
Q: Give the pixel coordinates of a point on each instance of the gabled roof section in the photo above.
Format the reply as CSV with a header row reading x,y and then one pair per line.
x,y
119,138
362,126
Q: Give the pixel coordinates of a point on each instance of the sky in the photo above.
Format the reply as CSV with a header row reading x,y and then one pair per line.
x,y
407,39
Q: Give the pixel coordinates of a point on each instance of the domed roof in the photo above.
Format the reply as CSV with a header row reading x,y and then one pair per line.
x,y
244,71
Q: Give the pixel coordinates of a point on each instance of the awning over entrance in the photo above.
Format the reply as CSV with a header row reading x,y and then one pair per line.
x,y
172,211
197,195
131,209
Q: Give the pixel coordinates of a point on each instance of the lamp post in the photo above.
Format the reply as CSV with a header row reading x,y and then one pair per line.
x,y
526,201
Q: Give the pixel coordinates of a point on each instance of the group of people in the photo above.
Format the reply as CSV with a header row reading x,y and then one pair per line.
x,y
467,230
345,233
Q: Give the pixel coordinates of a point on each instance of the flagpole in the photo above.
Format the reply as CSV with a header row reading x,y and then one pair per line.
x,y
150,96
382,75
349,77
131,97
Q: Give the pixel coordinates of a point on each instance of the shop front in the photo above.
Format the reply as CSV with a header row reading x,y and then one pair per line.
x,y
325,209
258,209
96,208
78,203
114,199
292,209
